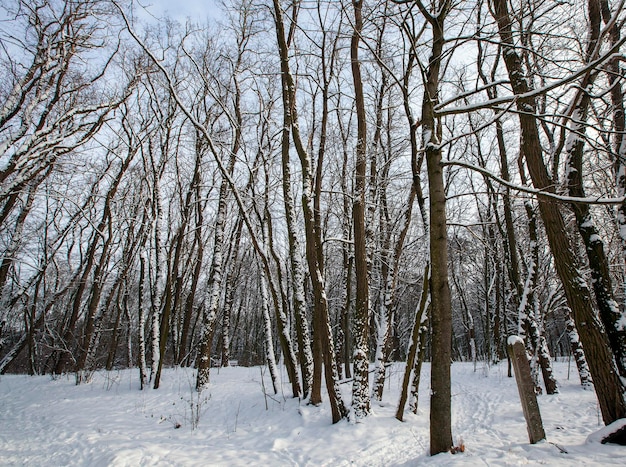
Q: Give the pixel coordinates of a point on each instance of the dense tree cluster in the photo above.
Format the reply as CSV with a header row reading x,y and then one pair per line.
x,y
328,184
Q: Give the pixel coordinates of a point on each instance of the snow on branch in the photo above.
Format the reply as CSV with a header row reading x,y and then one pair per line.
x,y
533,191
440,109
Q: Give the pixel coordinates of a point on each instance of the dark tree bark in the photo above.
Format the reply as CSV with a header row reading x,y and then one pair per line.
x,y
323,345
360,387
594,246
609,387
305,352
441,307
229,299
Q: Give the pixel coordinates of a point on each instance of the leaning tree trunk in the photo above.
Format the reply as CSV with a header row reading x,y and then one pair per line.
x,y
579,355
594,246
414,345
528,312
267,332
614,77
295,261
609,387
209,316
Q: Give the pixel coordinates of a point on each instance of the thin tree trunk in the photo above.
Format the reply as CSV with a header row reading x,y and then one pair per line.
x,y
528,311
295,261
323,346
391,287
269,342
348,257
209,316
281,307
229,299
141,331
190,305
414,345
419,360
579,355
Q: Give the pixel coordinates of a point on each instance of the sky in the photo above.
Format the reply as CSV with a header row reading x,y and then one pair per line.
x,y
182,9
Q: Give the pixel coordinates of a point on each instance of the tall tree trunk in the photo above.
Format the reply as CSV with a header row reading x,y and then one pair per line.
x,y
360,386
614,77
267,332
295,261
348,257
190,302
142,305
281,305
229,299
209,316
528,310
323,346
441,307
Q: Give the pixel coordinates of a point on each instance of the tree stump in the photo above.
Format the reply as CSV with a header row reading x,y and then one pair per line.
x,y
526,389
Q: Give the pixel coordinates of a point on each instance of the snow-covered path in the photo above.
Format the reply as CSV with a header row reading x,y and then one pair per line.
x,y
110,422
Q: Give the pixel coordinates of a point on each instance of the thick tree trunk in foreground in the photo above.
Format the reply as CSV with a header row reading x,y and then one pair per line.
x,y
360,386
441,307
594,246
609,387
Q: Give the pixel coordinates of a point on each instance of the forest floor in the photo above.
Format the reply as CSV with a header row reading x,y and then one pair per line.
x,y
52,422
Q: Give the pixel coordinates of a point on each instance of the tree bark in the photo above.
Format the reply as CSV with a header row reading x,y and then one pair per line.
x,y
360,386
414,345
610,314
609,387
323,346
441,307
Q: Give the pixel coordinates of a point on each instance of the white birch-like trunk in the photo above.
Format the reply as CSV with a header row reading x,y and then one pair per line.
x,y
157,256
143,303
209,316
269,343
579,356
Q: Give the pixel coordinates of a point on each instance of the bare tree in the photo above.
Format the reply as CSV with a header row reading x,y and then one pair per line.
x,y
608,386
323,345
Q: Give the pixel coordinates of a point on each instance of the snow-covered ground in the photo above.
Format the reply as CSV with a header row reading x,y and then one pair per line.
x,y
46,422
